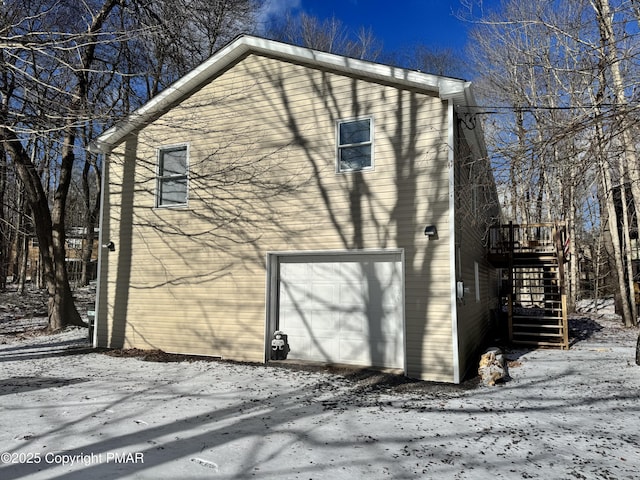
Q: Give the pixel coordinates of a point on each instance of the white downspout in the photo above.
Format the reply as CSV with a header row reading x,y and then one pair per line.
x,y
452,242
100,249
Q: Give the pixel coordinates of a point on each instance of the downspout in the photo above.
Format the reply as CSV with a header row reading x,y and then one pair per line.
x,y
101,250
452,242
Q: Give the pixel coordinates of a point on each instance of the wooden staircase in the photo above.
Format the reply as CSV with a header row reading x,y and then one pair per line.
x,y
534,300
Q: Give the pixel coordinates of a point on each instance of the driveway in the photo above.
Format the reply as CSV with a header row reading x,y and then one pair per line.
x,y
70,413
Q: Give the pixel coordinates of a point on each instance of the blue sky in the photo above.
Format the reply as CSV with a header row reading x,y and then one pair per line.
x,y
397,23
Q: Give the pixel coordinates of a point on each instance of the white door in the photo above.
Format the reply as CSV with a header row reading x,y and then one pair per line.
x,y
345,308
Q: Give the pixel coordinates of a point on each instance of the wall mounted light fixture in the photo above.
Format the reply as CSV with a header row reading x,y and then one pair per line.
x,y
111,246
431,231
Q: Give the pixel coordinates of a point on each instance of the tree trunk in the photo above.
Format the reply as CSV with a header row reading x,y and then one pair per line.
x,y
23,260
5,252
615,240
610,208
611,60
61,309
628,261
573,252
90,219
513,177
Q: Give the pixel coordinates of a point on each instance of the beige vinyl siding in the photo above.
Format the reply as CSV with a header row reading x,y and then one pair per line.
x,y
472,223
262,153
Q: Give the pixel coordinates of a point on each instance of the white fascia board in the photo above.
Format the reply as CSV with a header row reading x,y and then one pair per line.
x,y
346,64
446,88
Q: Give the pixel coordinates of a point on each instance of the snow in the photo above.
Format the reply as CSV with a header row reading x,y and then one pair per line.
x,y
69,412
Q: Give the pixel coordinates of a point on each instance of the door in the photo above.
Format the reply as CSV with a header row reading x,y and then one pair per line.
x,y
343,308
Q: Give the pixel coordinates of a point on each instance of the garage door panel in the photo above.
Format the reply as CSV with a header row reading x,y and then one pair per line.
x,y
323,296
344,308
355,351
324,272
391,297
299,343
319,321
361,352
293,294
324,348
319,348
351,295
353,323
295,271
350,270
388,329
324,323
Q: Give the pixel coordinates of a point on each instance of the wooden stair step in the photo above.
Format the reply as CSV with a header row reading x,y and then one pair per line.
x,y
534,334
540,344
532,325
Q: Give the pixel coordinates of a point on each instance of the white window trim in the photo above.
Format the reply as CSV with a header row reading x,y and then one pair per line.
x,y
370,142
159,151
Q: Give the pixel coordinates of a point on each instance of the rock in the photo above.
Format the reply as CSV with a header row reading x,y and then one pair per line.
x,y
492,367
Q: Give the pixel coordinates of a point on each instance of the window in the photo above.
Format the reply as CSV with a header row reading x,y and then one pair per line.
x,y
172,176
479,196
355,145
74,243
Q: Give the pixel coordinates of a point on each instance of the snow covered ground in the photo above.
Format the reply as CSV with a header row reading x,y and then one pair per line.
x,y
70,413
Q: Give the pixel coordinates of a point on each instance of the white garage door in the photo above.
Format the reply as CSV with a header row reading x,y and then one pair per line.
x,y
343,308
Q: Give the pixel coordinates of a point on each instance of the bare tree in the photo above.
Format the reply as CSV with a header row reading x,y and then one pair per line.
x,y
174,36
5,230
72,57
629,171
557,78
329,35
68,69
429,59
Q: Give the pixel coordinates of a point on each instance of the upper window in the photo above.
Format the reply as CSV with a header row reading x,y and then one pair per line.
x,y
355,145
172,176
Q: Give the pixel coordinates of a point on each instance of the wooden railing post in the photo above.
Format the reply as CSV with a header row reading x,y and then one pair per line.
x,y
511,287
559,244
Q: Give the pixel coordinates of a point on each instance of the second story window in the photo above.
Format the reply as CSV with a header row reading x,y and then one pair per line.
x,y
172,176
355,145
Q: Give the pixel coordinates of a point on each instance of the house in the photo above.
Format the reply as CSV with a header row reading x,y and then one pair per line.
x,y
75,242
343,202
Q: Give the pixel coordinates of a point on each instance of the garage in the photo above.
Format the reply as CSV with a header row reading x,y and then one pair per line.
x,y
342,308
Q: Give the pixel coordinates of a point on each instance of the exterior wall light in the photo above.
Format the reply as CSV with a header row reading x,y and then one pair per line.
x,y
111,246
431,231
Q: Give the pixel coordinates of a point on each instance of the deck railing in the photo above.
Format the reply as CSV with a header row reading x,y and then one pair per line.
x,y
529,238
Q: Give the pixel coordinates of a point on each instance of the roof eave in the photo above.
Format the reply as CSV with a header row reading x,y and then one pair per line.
x,y
446,88
111,137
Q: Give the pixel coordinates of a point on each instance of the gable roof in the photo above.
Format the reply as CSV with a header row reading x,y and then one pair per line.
x,y
445,87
